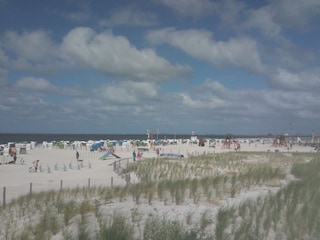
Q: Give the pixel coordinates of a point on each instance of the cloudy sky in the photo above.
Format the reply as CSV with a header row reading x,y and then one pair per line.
x,y
123,66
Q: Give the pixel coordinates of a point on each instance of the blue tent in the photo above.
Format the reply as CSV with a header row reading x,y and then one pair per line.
x,y
96,146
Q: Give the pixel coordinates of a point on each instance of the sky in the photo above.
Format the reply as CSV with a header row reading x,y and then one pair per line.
x,y
182,66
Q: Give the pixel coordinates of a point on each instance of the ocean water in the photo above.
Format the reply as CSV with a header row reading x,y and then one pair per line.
x,y
17,137
7,137
27,137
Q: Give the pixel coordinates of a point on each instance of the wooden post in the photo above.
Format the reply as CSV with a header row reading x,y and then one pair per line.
x,y
89,183
61,183
127,177
4,197
111,182
30,189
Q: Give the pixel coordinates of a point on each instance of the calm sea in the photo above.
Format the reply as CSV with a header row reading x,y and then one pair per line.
x,y
5,137
23,137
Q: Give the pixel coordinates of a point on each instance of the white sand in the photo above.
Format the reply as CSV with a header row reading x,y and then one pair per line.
x,y
16,178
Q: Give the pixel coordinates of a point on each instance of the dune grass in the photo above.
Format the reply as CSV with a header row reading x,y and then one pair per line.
x,y
208,180
291,213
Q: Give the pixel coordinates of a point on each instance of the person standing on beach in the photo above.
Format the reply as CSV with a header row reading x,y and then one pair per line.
x,y
77,155
36,164
134,155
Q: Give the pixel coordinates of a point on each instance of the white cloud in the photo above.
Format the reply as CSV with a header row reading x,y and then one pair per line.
x,y
142,89
3,58
34,46
240,52
131,94
293,105
263,20
32,51
128,92
117,56
118,95
209,95
296,13
249,105
208,103
3,76
84,48
308,80
215,87
273,18
231,12
36,84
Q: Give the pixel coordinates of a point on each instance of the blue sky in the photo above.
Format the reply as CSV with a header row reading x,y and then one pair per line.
x,y
123,66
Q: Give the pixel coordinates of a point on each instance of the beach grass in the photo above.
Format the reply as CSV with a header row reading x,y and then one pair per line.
x,y
242,195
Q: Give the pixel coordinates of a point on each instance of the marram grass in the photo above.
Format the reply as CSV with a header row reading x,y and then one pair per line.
x,y
210,179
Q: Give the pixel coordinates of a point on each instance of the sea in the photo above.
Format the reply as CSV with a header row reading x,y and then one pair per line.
x,y
28,137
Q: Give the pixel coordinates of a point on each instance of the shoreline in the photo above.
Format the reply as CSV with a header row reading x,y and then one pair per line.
x,y
49,137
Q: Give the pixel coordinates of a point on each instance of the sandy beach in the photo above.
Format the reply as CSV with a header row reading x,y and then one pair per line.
x,y
59,167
